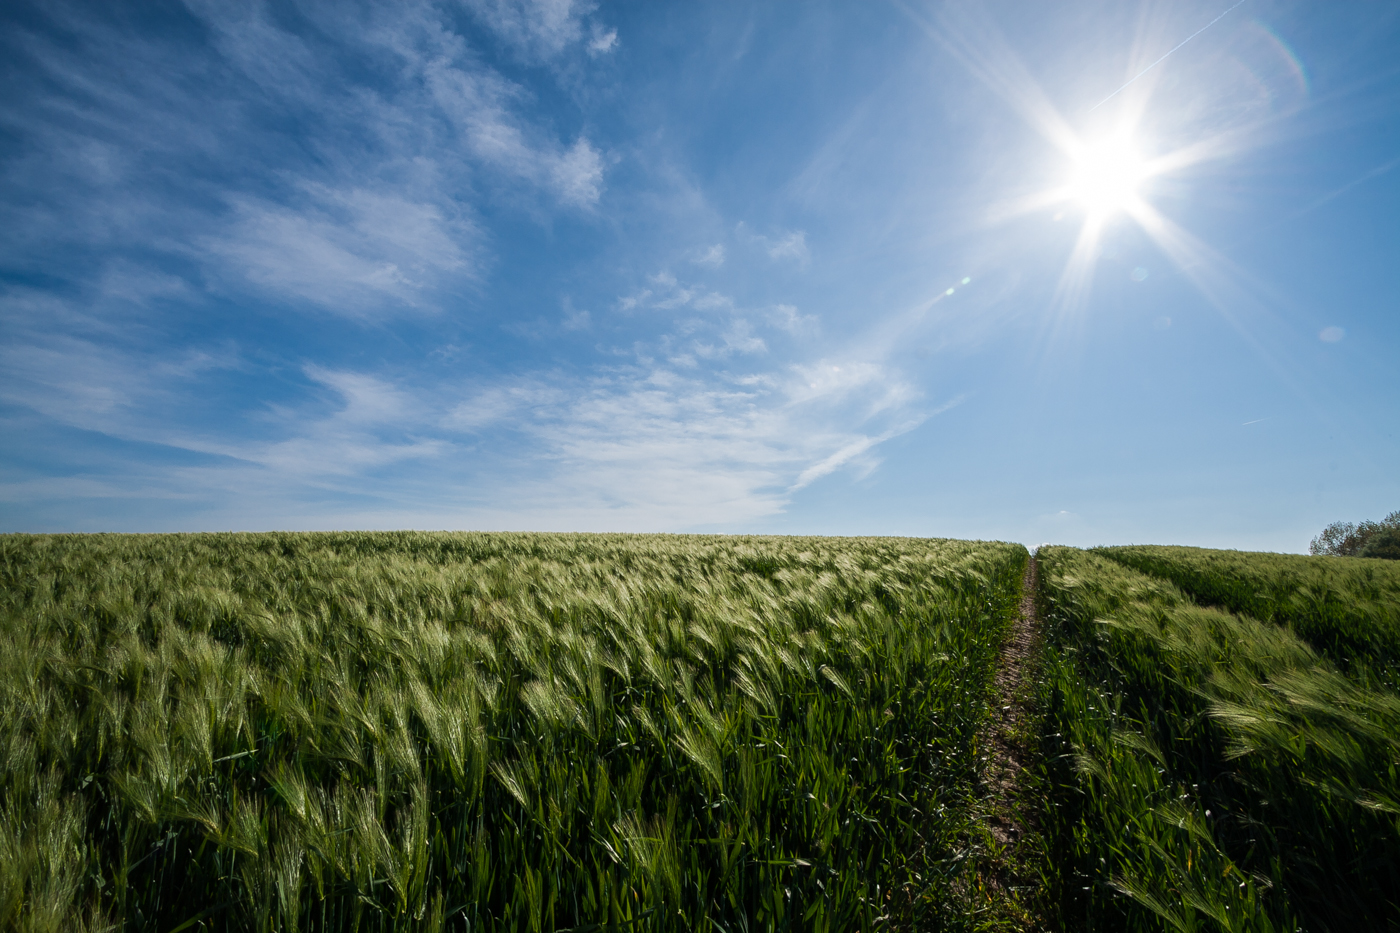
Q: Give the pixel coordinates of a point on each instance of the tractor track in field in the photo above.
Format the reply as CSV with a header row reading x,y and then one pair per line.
x,y
1009,744
1006,739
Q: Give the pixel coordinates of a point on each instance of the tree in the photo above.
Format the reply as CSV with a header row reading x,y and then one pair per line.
x,y
1343,539
1384,544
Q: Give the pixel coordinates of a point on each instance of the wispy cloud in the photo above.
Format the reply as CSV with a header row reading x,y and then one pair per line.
x,y
602,41
694,419
352,169
858,448
697,426
340,167
92,385
544,28
691,441
786,317
654,448
710,256
478,105
791,245
345,250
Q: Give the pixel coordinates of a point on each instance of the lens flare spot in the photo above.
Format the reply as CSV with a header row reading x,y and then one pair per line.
x,y
1331,334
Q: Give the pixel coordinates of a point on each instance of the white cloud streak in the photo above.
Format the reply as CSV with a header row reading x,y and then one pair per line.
x,y
646,445
791,245
542,29
695,421
661,448
347,250
342,168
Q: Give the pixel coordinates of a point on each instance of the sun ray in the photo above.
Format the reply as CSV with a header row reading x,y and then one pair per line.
x,y
1073,288
1113,156
1226,287
973,39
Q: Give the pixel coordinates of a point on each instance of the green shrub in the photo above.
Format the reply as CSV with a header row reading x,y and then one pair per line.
x,y
1384,544
1343,539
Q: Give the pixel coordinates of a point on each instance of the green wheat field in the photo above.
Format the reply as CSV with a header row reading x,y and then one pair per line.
x,y
536,732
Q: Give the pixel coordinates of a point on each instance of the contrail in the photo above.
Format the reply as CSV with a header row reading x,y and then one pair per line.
x,y
1163,58
1378,170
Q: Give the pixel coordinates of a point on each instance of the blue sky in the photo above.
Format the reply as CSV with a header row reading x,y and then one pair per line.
x,y
816,268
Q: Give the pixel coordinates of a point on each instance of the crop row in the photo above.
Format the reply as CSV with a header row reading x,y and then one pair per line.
x,y
1206,770
504,732
1347,608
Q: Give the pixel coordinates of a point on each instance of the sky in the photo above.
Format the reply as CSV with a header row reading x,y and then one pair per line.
x,y
1082,273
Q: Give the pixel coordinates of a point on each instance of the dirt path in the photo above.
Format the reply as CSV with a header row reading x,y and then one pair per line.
x,y
1006,742
1007,871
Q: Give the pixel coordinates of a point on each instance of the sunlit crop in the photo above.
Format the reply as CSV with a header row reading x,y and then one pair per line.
x,y
565,732
1347,609
503,732
1209,770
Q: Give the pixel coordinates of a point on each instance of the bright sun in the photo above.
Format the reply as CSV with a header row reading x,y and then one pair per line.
x,y
1107,175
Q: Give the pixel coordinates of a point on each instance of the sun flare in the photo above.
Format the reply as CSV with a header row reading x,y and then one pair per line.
x,y
1107,175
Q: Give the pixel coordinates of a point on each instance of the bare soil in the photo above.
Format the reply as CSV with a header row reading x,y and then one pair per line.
x,y
1009,864
1007,731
